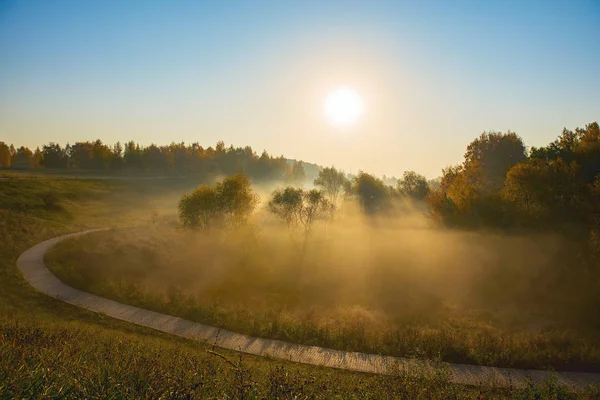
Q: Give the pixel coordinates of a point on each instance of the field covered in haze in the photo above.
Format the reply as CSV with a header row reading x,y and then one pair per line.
x,y
49,349
495,263
392,286
486,266
414,181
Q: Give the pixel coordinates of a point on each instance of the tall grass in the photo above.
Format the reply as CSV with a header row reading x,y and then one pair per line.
x,y
243,284
44,360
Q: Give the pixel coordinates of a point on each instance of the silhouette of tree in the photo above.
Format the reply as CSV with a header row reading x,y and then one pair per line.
x,y
413,185
22,158
5,155
299,209
54,156
297,175
332,183
373,195
495,153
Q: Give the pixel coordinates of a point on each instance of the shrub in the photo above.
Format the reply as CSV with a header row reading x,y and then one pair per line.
x,y
230,202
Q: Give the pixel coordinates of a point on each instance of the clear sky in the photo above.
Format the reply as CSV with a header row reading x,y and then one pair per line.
x,y
432,74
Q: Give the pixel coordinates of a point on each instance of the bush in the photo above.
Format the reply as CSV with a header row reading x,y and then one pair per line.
x,y
230,202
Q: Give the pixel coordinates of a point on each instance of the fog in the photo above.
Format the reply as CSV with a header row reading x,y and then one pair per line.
x,y
390,267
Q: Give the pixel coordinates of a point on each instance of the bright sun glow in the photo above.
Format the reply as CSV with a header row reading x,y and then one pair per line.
x,y
343,107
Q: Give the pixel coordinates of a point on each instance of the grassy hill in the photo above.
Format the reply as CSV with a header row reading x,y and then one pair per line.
x,y
49,349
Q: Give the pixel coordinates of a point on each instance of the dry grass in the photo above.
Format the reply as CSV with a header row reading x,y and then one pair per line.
x,y
370,296
77,360
49,349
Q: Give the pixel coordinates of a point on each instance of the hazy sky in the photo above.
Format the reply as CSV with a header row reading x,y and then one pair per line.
x,y
433,74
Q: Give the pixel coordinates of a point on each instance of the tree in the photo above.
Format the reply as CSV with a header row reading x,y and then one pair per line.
x,y
82,155
525,186
332,183
228,203
5,155
287,205
132,155
299,209
118,161
581,146
587,153
200,209
102,155
297,176
495,153
373,195
153,158
442,207
548,191
37,158
413,185
467,187
236,199
54,156
22,158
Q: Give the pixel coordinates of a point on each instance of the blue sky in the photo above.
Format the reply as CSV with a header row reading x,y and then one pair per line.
x,y
433,74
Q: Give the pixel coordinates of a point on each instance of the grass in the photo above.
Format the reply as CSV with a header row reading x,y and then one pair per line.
x,y
49,349
219,283
77,360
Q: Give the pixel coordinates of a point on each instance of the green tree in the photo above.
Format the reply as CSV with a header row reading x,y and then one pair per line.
x,y
22,158
373,195
229,203
546,193
413,185
132,155
82,155
199,209
299,209
102,155
54,156
587,153
236,199
332,182
37,158
5,155
287,205
495,153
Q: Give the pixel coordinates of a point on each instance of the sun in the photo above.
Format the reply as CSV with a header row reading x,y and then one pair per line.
x,y
343,107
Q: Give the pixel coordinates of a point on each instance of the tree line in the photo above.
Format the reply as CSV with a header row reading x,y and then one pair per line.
x,y
175,159
500,184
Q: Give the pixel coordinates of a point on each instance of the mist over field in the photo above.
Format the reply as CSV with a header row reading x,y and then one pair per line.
x,y
399,266
378,272
260,199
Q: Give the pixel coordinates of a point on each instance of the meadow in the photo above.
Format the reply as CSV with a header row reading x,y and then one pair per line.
x,y
395,285
49,349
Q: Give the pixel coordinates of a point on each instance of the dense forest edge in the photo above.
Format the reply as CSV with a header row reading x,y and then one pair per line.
x,y
174,160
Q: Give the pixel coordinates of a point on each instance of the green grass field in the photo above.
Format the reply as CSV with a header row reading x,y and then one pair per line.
x,y
49,349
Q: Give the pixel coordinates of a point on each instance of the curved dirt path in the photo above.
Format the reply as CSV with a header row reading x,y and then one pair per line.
x,y
31,264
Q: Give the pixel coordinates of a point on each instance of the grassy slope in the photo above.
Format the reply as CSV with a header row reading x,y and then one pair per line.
x,y
49,349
